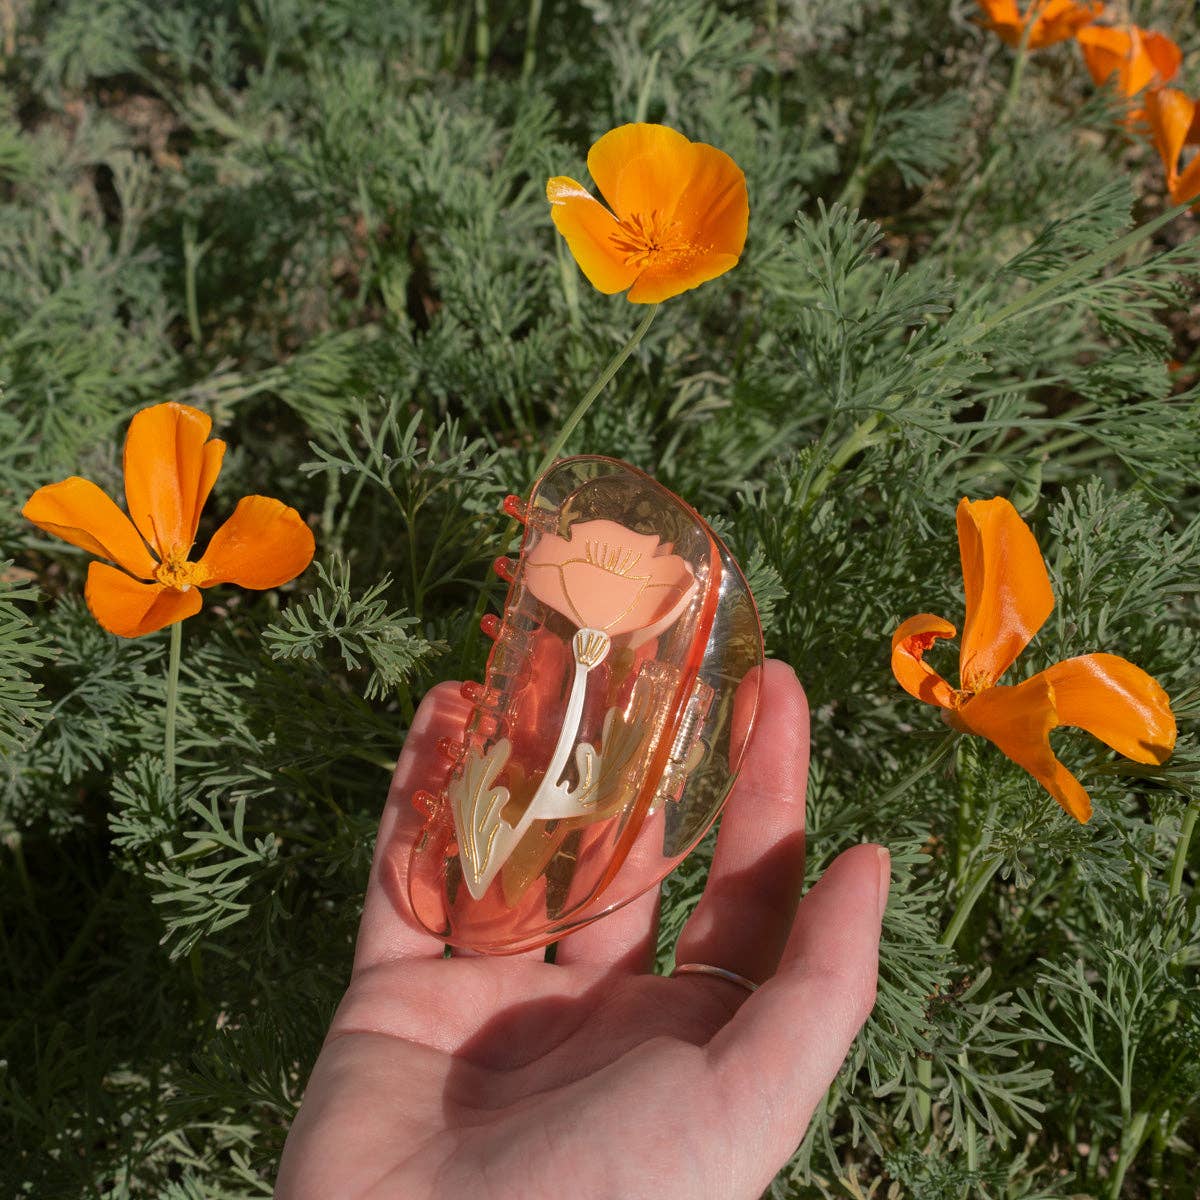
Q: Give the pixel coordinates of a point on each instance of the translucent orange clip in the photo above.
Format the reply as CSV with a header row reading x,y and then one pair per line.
x,y
619,695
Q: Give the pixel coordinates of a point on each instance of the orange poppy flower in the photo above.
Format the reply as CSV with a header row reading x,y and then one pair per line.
x,y
678,219
1174,120
1049,21
1131,57
170,468
1008,598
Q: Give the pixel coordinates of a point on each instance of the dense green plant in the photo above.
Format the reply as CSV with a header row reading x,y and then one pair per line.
x,y
324,224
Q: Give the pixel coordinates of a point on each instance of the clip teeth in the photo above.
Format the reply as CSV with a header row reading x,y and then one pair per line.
x,y
516,508
490,625
505,568
472,692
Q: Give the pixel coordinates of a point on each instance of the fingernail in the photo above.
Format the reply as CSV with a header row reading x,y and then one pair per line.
x,y
885,878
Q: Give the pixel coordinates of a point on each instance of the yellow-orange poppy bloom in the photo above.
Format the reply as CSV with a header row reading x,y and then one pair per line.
x,y
1132,58
678,215
1008,598
1174,120
1048,21
170,468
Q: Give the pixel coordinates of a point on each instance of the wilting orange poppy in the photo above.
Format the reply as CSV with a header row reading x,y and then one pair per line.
x,y
679,213
1174,120
1131,57
1008,598
1049,21
170,468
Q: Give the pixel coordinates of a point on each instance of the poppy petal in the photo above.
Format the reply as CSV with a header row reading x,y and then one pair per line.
x,y
1008,596
1187,185
77,511
169,472
1169,113
661,281
916,677
1059,20
1164,54
1017,721
1105,51
130,608
1117,702
641,168
263,544
590,230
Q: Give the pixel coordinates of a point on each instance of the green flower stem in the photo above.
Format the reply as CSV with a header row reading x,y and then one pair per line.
x,y
859,438
529,62
1182,847
940,751
602,380
976,883
172,700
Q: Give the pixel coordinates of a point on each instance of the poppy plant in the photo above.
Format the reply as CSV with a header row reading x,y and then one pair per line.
x,y
1008,598
1132,58
1174,120
678,218
170,468
1047,21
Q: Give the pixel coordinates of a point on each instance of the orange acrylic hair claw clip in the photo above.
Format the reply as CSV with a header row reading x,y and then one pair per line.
x,y
618,698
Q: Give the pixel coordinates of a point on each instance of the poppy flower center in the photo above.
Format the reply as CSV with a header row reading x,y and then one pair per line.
x,y
645,238
176,572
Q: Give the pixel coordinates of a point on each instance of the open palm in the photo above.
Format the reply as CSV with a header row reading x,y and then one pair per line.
x,y
591,1077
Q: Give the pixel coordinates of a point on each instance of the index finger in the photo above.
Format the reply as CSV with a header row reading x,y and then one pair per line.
x,y
389,930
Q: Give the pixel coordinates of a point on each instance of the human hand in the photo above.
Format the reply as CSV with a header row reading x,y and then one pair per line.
x,y
591,1077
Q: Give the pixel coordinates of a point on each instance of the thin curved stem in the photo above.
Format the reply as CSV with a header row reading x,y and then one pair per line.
x,y
602,380
172,700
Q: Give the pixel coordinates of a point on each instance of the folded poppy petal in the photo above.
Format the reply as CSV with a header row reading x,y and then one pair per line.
x,y
1059,20
641,168
129,608
169,472
77,511
1017,721
1115,701
1187,184
1165,55
1169,113
909,643
263,544
1105,49
591,230
1008,596
713,211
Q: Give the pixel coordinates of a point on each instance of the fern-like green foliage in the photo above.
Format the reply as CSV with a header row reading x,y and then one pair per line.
x,y
324,224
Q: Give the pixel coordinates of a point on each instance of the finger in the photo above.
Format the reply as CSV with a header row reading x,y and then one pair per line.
x,y
624,941
743,918
388,929
777,1056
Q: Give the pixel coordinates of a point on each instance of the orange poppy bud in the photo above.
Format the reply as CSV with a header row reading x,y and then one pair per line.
x,y
678,215
1048,21
1008,598
170,468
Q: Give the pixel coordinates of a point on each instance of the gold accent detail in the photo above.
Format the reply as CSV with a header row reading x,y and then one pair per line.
x,y
616,560
477,805
590,646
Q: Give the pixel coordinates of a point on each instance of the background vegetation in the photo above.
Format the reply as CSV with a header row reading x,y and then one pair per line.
x,y
324,223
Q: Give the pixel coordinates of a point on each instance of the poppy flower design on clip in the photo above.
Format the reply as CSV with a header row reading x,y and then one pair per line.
x,y
170,468
1008,599
677,216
